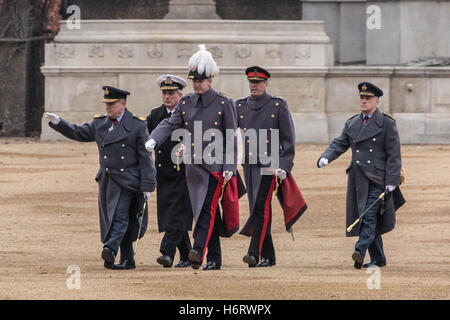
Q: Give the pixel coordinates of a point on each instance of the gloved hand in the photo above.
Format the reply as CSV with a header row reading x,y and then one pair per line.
x,y
390,188
150,145
147,195
323,162
227,175
281,174
53,118
180,151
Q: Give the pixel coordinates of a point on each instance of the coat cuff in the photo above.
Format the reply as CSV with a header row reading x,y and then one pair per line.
x,y
286,165
392,180
147,186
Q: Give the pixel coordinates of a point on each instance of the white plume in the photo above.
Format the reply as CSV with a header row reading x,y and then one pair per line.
x,y
203,61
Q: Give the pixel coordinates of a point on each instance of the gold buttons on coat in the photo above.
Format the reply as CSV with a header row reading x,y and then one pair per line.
x,y
277,104
368,161
184,102
122,157
121,170
185,123
374,139
371,150
357,161
357,150
105,157
222,102
239,105
159,151
183,113
215,123
242,117
219,113
159,165
273,116
123,145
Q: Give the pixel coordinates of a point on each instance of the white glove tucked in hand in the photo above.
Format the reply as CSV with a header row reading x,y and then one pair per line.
x,y
323,162
150,145
147,195
390,188
281,174
227,175
53,118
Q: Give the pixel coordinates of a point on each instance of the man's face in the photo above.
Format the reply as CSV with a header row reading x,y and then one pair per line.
x,y
115,109
257,87
170,98
368,104
201,86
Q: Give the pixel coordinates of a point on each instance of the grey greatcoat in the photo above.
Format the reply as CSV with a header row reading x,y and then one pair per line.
x,y
267,113
202,122
375,157
124,163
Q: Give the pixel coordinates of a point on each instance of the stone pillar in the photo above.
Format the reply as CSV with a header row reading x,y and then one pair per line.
x,y
192,9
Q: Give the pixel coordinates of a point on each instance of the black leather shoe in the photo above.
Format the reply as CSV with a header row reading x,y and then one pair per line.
x,y
125,265
251,260
108,255
165,261
211,265
195,257
195,265
108,265
374,263
265,262
183,264
358,258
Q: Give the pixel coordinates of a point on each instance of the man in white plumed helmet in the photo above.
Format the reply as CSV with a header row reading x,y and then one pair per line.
x,y
211,164
174,210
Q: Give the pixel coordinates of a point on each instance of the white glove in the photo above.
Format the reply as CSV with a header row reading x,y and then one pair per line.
x,y
390,188
53,118
281,174
150,145
147,195
323,162
227,175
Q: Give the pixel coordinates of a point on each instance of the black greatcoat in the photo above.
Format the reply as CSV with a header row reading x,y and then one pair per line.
x,y
173,202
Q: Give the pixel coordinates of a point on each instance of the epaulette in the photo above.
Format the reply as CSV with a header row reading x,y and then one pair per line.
x,y
277,97
223,95
99,116
139,118
387,115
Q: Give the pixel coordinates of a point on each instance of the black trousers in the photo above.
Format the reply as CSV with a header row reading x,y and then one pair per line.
x,y
369,237
261,244
174,239
209,225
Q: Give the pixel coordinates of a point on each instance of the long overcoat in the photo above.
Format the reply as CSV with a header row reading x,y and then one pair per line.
x,y
376,157
173,203
124,164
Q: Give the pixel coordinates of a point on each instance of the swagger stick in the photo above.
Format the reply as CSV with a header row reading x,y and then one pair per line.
x,y
140,218
359,219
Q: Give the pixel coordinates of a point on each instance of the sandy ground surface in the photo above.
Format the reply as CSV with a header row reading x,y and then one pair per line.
x,y
49,221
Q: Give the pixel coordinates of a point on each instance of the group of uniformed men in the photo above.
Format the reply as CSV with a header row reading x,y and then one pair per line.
x,y
192,188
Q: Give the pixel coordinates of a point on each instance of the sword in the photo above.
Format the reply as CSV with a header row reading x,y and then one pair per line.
x,y
140,217
359,219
